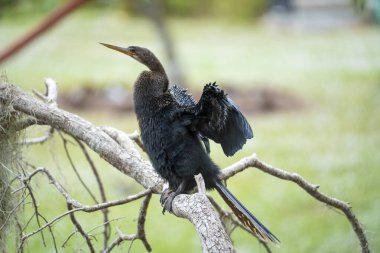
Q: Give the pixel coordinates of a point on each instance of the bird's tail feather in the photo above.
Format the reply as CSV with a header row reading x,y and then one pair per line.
x,y
245,216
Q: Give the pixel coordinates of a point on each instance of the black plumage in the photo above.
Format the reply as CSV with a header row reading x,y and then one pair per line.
x,y
173,126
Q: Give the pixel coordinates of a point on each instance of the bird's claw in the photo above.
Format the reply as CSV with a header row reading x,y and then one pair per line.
x,y
166,200
164,195
167,206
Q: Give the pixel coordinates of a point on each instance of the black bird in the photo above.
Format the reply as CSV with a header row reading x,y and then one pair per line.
x,y
173,127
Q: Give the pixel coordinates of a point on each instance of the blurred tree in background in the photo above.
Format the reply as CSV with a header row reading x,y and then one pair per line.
x,y
239,9
26,6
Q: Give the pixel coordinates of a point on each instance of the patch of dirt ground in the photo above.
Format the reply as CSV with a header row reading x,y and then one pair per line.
x,y
117,99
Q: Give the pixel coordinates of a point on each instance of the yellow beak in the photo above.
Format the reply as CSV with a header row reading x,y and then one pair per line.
x,y
123,50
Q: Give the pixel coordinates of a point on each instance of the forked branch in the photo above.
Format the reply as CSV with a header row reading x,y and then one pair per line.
x,y
311,189
117,149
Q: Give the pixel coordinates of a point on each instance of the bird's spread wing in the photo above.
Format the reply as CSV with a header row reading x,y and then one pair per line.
x,y
182,97
187,102
215,117
219,119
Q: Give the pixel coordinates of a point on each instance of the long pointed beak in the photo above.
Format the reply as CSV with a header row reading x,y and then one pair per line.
x,y
123,50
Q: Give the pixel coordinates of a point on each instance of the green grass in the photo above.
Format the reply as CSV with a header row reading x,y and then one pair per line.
x,y
333,143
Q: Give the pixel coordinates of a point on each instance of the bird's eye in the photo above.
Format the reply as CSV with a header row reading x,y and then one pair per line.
x,y
132,50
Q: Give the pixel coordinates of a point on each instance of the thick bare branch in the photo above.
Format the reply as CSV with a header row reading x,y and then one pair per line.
x,y
117,148
199,211
122,159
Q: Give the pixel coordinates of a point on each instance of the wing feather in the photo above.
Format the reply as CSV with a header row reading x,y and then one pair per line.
x,y
216,117
219,119
186,100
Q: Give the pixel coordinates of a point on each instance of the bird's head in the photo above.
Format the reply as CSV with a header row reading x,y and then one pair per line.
x,y
140,54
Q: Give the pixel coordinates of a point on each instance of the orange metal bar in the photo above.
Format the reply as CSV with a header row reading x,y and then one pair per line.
x,y
47,23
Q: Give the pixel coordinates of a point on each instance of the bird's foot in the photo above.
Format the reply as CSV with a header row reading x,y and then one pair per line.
x,y
166,200
164,195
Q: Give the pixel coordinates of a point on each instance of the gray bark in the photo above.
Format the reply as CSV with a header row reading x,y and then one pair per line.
x,y
117,149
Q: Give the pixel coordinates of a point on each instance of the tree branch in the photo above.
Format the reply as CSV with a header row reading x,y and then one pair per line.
x,y
80,229
311,189
121,237
198,210
141,222
39,140
122,159
117,148
106,231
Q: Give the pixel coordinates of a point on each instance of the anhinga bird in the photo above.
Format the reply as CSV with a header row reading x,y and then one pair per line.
x,y
173,127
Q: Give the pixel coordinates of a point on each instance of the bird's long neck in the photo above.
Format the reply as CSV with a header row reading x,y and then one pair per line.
x,y
159,73
154,65
150,85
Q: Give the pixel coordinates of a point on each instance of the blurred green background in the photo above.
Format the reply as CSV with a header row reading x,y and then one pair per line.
x,y
332,68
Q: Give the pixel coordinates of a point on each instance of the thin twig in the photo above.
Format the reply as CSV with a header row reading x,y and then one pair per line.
x,y
75,203
75,169
140,230
51,233
79,228
141,222
88,232
121,237
34,202
39,140
107,229
19,227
